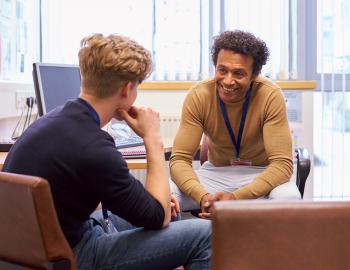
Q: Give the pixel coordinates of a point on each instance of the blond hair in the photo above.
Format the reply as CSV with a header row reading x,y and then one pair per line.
x,y
107,63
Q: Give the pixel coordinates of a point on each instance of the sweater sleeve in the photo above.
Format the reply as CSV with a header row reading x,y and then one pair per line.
x,y
278,147
185,146
111,182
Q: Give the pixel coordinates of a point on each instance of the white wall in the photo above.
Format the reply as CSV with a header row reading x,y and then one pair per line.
x,y
8,97
8,112
166,102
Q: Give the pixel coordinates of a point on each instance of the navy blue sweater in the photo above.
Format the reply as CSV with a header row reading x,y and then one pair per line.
x,y
80,161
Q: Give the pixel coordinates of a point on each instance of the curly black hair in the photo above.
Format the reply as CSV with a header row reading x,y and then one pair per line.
x,y
241,42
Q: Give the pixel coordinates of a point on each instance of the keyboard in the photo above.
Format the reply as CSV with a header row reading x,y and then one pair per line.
x,y
128,142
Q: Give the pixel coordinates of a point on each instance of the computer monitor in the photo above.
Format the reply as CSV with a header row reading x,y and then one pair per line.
x,y
54,85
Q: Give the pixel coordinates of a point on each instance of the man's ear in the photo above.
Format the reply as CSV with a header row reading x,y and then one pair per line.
x,y
126,88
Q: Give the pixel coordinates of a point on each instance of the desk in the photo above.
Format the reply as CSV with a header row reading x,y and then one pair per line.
x,y
133,164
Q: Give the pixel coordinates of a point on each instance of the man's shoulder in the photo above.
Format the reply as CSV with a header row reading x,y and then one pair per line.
x,y
200,95
267,84
203,90
205,85
265,88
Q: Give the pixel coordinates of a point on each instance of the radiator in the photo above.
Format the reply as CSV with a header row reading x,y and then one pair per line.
x,y
169,124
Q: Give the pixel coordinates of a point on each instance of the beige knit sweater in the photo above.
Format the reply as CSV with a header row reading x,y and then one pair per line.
x,y
266,139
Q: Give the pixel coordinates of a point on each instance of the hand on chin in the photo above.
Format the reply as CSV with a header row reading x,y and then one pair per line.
x,y
132,111
118,116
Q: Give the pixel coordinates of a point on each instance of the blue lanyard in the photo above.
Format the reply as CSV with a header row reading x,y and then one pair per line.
x,y
237,143
95,116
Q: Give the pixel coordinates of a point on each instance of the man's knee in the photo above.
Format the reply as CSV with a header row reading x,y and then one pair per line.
x,y
288,190
197,228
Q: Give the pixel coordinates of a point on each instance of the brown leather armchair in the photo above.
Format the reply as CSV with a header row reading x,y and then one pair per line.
x,y
30,234
278,235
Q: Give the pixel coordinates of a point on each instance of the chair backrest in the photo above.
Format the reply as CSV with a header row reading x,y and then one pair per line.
x,y
302,160
29,229
285,235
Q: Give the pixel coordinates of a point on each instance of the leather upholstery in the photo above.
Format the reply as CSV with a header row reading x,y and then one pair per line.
x,y
281,235
29,229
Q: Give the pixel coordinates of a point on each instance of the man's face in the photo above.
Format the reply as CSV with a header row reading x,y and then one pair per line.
x,y
132,95
233,75
128,99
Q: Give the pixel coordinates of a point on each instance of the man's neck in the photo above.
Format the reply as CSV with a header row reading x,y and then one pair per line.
x,y
103,106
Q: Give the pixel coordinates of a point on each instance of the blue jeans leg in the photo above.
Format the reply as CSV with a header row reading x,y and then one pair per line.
x,y
184,243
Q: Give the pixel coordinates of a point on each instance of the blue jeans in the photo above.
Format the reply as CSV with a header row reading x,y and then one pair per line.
x,y
184,243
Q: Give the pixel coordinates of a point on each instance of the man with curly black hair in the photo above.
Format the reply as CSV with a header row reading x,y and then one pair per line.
x,y
243,116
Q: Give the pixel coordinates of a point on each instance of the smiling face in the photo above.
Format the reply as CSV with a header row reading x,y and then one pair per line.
x,y
233,75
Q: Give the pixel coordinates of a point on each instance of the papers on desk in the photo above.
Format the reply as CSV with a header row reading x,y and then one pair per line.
x,y
123,135
133,152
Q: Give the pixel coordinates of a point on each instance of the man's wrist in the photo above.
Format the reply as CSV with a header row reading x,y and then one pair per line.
x,y
233,196
155,139
203,199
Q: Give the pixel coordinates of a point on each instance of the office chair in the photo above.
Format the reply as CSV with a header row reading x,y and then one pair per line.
x,y
302,161
288,235
303,168
31,237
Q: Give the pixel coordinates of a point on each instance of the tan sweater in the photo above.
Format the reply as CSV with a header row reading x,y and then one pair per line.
x,y
266,139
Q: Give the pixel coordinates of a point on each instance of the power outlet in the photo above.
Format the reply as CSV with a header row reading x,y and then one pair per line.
x,y
21,97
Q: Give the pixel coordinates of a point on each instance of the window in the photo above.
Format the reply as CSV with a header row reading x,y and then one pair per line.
x,y
179,33
330,65
18,45
333,43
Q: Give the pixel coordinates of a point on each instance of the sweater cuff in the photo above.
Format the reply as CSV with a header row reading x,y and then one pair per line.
x,y
243,194
198,193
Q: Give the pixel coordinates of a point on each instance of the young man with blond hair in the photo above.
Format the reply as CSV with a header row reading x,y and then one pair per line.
x,y
68,148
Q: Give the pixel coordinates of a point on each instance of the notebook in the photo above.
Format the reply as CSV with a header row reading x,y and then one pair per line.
x,y
133,152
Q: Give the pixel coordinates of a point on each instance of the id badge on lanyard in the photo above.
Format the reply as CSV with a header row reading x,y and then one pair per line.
x,y
237,161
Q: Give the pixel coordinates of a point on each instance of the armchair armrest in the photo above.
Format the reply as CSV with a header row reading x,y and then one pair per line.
x,y
271,234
